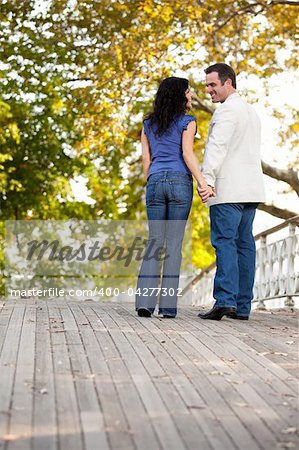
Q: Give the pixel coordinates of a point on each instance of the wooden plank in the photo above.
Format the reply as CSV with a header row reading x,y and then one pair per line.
x,y
282,379
68,416
218,397
170,396
20,426
240,404
262,381
280,415
215,430
8,364
116,426
206,419
94,375
236,390
5,316
279,343
163,424
171,385
45,433
91,415
139,426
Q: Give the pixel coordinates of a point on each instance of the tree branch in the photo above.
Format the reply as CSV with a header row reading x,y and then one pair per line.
x,y
288,176
277,212
200,105
284,2
251,9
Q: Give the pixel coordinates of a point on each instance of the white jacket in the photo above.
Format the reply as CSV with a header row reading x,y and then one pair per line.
x,y
232,162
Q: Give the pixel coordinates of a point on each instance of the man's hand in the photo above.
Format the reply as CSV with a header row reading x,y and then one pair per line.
x,y
205,192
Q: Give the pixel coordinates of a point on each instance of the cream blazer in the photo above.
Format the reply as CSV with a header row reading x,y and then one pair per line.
x,y
232,162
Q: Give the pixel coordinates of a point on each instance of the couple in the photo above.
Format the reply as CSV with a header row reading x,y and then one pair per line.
x,y
231,183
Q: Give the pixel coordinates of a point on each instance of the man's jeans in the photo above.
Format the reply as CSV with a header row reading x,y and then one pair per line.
x,y
168,202
231,236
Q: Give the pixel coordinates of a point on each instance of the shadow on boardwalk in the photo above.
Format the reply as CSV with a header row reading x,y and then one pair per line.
x,y
94,376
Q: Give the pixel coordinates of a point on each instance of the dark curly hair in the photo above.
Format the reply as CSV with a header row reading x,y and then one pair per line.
x,y
169,103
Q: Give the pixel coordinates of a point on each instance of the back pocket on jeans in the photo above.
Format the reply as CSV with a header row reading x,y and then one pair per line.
x,y
151,193
182,192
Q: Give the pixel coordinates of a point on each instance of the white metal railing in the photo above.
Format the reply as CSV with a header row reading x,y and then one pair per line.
x,y
277,270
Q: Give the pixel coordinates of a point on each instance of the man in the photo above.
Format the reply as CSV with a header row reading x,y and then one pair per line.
x,y
232,166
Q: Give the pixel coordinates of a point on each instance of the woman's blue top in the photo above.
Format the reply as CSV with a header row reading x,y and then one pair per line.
x,y
166,150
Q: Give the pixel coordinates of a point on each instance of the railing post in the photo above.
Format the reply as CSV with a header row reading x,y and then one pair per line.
x,y
262,274
289,301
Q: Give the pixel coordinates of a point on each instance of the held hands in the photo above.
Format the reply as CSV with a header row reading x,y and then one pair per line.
x,y
205,191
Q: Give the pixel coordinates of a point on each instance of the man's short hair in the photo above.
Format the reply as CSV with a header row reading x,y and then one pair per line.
x,y
224,71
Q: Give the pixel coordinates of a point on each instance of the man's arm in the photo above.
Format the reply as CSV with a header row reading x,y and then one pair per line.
x,y
223,126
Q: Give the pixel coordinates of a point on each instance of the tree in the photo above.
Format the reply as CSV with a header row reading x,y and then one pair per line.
x,y
78,77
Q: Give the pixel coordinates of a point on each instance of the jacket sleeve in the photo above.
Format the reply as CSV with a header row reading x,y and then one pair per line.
x,y
220,134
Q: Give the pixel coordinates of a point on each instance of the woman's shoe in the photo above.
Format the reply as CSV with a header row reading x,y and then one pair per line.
x,y
143,312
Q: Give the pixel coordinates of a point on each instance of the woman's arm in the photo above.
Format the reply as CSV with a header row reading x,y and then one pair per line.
x,y
146,153
191,160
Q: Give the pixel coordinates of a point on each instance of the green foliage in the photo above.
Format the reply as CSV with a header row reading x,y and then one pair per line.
x,y
77,78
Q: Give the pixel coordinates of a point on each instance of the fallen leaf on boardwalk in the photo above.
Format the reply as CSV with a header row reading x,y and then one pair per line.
x,y
280,354
290,430
216,372
265,353
43,391
234,381
163,342
286,445
9,437
196,406
290,342
231,360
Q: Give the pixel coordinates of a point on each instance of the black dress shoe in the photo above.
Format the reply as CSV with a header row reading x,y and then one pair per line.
x,y
217,313
143,312
236,316
168,316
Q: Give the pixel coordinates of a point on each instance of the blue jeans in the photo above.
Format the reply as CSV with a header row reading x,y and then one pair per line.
x,y
168,203
231,236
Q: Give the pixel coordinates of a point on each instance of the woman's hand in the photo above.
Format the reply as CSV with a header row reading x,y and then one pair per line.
x,y
205,191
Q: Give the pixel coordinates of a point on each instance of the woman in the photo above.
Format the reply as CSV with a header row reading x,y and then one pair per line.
x,y
168,161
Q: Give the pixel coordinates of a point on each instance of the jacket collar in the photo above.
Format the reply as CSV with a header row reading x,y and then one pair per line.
x,y
232,96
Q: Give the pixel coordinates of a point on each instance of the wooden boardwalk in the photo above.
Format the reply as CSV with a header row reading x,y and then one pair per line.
x,y
94,376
